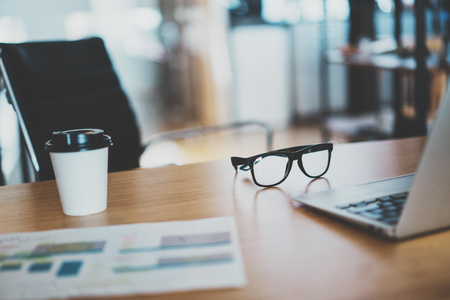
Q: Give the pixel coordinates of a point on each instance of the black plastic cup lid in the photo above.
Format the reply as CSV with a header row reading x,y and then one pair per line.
x,y
76,140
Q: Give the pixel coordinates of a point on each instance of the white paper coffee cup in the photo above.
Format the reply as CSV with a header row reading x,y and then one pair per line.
x,y
80,163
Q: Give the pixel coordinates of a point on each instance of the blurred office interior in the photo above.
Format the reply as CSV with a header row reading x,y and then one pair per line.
x,y
190,63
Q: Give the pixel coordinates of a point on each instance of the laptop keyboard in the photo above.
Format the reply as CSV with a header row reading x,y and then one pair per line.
x,y
385,209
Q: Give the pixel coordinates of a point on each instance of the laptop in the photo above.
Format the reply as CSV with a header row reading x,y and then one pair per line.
x,y
404,206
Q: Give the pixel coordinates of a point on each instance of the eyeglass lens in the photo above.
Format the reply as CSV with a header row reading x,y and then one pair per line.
x,y
315,163
270,169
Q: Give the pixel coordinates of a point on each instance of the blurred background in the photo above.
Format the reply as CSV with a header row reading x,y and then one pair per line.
x,y
315,70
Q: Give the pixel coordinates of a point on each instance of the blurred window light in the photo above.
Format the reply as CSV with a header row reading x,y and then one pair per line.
x,y
78,25
230,4
145,18
131,28
9,136
149,47
411,2
292,11
338,10
12,29
272,11
280,11
312,10
385,5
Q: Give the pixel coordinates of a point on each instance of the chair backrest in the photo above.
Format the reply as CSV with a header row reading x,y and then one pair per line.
x,y
60,85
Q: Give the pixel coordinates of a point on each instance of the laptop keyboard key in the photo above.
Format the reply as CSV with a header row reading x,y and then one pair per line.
x,y
360,209
372,216
377,211
391,208
391,214
385,204
345,206
384,199
370,201
358,204
399,201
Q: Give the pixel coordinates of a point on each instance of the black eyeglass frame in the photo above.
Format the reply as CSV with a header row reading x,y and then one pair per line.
x,y
292,153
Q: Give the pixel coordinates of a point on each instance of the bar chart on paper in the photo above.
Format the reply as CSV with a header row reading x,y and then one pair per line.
x,y
123,259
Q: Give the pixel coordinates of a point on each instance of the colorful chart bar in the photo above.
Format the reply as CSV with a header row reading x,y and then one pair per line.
x,y
181,261
69,268
185,241
10,267
40,267
68,248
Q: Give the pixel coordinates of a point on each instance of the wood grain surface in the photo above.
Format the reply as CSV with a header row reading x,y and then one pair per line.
x,y
290,252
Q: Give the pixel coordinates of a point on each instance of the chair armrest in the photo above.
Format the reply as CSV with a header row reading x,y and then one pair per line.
x,y
200,130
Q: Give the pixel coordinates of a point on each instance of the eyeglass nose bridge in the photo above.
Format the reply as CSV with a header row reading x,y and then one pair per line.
x,y
300,165
288,169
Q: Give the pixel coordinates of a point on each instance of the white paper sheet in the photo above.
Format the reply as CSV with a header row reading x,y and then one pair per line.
x,y
122,259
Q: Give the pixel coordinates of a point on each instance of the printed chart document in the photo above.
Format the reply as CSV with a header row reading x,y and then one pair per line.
x,y
121,259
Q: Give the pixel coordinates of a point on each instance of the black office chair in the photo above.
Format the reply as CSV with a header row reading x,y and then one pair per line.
x,y
63,85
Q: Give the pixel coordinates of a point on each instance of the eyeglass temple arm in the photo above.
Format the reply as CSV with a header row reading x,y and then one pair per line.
x,y
312,147
241,161
320,147
238,161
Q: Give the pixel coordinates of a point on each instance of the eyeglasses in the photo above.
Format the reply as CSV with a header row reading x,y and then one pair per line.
x,y
272,168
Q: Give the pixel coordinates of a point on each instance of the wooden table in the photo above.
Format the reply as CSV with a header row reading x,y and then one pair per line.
x,y
290,252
